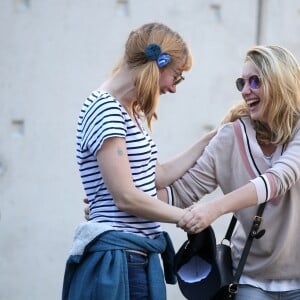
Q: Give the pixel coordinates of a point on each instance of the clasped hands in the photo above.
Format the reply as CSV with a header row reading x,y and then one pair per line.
x,y
197,217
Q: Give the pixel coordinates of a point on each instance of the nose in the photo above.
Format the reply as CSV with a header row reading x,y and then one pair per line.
x,y
246,89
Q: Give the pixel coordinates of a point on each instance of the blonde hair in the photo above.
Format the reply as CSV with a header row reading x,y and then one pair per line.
x,y
279,73
146,72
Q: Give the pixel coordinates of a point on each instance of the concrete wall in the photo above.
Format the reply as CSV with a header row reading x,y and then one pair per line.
x,y
52,54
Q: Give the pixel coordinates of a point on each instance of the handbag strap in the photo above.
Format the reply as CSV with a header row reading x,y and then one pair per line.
x,y
230,228
254,233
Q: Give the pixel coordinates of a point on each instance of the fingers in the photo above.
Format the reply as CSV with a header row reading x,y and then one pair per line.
x,y
194,220
189,219
86,209
192,229
184,219
87,213
188,223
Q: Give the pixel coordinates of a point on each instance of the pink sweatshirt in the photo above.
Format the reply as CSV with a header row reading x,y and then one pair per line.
x,y
232,159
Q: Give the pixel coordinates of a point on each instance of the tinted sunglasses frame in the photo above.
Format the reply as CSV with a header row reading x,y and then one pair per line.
x,y
254,82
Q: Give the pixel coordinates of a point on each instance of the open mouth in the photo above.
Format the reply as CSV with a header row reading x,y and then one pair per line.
x,y
252,103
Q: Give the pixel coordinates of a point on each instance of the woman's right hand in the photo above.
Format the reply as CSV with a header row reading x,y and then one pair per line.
x,y
86,209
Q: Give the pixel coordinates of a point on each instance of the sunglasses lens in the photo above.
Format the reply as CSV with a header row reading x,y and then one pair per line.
x,y
240,83
254,82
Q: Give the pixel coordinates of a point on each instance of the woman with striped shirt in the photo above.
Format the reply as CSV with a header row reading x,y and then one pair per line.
x,y
115,254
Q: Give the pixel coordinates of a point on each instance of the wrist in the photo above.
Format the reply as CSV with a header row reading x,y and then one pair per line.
x,y
184,212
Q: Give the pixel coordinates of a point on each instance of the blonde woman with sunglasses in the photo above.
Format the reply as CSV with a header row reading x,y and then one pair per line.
x,y
259,136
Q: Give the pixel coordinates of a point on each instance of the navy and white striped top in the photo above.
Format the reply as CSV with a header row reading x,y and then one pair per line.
x,y
102,117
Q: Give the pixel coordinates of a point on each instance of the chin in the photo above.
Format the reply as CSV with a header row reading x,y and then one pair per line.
x,y
256,116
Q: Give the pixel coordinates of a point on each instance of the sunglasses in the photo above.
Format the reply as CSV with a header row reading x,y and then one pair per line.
x,y
178,79
254,82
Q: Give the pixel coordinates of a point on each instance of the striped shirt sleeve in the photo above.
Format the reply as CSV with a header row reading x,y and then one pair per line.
x,y
101,119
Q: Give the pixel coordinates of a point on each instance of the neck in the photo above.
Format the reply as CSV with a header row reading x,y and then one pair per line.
x,y
268,149
121,87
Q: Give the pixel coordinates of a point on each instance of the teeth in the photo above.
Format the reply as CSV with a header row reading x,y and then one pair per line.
x,y
249,102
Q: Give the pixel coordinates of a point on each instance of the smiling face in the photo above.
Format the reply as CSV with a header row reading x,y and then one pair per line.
x,y
252,92
168,80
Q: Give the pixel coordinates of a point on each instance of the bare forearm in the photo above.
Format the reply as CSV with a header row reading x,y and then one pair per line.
x,y
177,166
243,197
140,204
203,214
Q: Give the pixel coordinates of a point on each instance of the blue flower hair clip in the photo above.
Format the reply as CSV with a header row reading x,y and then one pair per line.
x,y
163,60
153,52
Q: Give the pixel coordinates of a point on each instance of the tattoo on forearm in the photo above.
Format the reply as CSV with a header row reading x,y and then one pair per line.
x,y
120,152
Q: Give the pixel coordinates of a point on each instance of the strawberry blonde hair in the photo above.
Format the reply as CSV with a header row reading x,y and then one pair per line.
x,y
146,72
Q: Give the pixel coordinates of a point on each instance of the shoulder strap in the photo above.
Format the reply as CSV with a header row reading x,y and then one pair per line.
x,y
233,221
254,233
230,228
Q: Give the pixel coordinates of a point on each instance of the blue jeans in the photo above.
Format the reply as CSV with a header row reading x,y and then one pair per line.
x,y
137,276
247,292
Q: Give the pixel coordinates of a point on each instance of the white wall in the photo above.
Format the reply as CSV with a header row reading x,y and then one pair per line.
x,y
52,54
